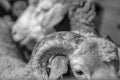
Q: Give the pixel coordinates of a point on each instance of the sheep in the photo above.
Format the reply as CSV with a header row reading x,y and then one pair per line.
x,y
96,59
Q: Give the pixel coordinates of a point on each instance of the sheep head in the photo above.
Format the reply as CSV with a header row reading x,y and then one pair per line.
x,y
95,59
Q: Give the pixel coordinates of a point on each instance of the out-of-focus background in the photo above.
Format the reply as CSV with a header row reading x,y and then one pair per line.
x,y
110,23
107,10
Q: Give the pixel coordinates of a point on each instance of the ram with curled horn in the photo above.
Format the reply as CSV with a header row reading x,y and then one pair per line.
x,y
50,58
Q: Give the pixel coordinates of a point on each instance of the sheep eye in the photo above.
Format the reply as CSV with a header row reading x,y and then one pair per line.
x,y
48,71
79,72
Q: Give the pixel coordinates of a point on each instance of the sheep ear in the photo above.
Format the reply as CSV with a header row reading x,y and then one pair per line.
x,y
108,38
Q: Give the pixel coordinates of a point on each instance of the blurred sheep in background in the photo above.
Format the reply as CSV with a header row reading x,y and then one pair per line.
x,y
18,7
38,21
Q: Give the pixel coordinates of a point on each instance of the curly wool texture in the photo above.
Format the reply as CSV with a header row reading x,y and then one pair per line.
x,y
10,67
82,14
10,59
7,45
106,49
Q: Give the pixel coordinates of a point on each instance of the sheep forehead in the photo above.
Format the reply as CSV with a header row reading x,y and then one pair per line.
x,y
107,50
100,44
93,52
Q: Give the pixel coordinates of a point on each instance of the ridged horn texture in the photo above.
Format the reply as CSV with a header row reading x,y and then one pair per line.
x,y
95,59
45,53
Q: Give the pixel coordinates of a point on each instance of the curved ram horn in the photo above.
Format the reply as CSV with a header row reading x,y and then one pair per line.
x,y
96,59
49,50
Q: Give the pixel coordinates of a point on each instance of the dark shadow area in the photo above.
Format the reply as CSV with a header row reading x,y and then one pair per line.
x,y
98,19
69,75
64,25
2,11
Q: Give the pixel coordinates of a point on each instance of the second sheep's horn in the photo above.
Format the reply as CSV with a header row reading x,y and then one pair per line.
x,y
50,58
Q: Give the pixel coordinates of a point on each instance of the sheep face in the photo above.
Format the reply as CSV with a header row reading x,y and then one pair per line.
x,y
96,59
